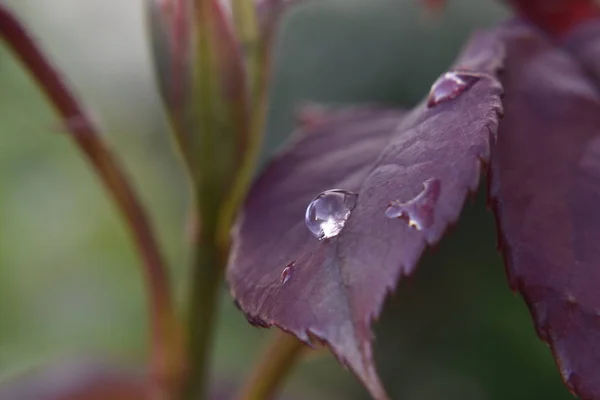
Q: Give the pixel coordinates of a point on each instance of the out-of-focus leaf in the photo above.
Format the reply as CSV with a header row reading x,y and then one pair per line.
x,y
546,191
584,43
78,381
336,287
556,16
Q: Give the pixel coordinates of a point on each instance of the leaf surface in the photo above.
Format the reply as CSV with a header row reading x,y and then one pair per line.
x,y
332,289
546,190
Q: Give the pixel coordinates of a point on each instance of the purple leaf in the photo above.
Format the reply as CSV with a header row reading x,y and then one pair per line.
x,y
332,289
546,191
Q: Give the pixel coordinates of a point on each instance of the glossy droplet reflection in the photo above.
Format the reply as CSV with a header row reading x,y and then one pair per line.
x,y
327,213
420,211
449,86
287,272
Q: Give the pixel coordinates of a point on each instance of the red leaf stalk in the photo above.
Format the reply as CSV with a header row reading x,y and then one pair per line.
x,y
165,341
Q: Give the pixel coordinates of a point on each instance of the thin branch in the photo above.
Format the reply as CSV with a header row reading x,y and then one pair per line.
x,y
275,365
165,356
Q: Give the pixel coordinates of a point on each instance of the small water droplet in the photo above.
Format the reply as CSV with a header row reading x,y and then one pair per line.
x,y
327,213
449,86
287,272
420,210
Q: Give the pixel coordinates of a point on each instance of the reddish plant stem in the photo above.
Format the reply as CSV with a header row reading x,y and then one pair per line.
x,y
556,17
165,357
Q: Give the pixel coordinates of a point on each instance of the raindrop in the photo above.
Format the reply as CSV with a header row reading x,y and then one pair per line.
x,y
327,213
287,272
420,210
449,86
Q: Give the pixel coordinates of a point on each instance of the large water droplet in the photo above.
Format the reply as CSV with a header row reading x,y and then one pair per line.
x,y
287,272
327,213
449,86
419,211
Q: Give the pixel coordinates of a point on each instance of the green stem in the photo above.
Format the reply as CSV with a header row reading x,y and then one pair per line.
x,y
207,275
276,364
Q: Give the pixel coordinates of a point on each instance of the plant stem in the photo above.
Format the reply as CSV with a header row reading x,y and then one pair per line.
x,y
276,363
166,350
207,275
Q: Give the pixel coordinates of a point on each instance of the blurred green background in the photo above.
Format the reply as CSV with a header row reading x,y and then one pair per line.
x,y
69,279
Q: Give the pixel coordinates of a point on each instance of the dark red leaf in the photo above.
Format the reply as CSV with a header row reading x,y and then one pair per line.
x,y
557,16
546,191
332,289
